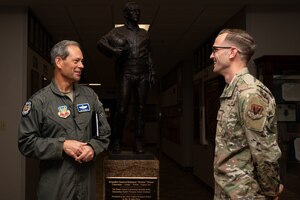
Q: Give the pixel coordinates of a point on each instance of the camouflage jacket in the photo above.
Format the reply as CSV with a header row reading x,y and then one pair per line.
x,y
247,152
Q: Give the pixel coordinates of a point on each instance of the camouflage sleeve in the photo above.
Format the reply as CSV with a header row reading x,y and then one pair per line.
x,y
258,116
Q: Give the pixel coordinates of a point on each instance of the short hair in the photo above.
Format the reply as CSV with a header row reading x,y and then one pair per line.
x,y
60,49
129,6
242,40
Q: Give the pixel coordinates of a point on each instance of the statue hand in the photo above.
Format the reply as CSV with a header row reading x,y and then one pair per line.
x,y
118,52
152,78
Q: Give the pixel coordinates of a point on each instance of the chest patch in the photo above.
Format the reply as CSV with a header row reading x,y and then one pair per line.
x,y
83,107
63,111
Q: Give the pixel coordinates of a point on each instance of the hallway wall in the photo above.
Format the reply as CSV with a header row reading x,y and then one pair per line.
x,y
275,29
181,96
13,50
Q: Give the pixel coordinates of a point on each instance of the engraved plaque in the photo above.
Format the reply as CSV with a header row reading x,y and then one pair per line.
x,y
130,188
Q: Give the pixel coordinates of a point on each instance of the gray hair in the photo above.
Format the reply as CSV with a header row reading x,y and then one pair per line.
x,y
242,40
61,49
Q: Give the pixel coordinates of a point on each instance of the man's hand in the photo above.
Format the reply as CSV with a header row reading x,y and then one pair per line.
x,y
87,154
280,190
74,148
152,79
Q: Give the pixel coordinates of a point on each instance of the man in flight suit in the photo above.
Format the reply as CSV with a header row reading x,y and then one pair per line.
x,y
130,45
56,129
246,152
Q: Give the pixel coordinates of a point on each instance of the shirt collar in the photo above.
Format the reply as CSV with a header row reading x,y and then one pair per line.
x,y
55,89
131,28
229,88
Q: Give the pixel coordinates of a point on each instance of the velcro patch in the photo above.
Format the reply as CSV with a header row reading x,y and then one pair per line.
x,y
83,107
255,113
26,108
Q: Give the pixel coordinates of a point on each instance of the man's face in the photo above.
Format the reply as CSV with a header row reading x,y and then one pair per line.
x,y
134,13
220,54
72,66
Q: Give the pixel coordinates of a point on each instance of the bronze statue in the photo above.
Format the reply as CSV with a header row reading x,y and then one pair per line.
x,y
130,45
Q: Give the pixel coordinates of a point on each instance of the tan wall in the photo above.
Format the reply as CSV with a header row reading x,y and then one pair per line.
x,y
13,49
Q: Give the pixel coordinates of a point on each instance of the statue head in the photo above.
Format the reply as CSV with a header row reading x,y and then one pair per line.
x,y
132,12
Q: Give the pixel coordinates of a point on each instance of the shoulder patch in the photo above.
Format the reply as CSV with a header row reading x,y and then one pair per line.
x,y
255,113
26,108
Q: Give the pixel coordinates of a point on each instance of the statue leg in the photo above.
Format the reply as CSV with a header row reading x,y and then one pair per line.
x,y
140,100
122,110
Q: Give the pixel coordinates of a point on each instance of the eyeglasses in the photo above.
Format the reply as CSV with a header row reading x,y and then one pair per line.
x,y
215,48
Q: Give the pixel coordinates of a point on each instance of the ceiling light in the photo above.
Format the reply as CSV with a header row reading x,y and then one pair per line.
x,y
91,84
94,84
144,26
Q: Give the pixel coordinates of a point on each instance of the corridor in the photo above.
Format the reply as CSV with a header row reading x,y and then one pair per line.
x,y
177,183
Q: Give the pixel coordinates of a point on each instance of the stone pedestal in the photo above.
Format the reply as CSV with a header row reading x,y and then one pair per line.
x,y
130,176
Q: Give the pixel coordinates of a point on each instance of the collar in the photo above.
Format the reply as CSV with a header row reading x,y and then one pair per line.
x,y
56,91
131,28
229,89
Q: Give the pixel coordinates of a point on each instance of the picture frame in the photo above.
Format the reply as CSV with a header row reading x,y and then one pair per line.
x,y
286,112
212,90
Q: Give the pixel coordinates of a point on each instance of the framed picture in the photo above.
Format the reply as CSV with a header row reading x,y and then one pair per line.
x,y
30,31
34,81
286,112
35,62
212,90
196,106
289,91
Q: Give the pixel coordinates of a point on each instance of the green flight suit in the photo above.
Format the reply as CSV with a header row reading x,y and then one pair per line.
x,y
50,117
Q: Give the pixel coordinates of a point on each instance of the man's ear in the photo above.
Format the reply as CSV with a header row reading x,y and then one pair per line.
x,y
58,62
233,52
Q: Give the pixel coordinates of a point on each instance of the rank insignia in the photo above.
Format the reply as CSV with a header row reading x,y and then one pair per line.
x,y
26,108
83,107
63,111
255,111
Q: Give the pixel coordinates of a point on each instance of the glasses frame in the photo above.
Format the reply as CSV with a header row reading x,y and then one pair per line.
x,y
215,48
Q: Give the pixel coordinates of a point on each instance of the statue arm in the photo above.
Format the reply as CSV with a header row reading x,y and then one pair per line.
x,y
152,74
105,47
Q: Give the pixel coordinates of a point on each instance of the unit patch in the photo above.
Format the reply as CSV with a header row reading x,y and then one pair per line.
x,y
27,108
255,111
83,107
63,111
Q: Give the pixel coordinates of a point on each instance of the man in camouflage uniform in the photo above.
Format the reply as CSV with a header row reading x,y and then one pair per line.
x,y
246,153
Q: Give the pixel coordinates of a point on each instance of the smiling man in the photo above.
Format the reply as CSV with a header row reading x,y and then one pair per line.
x,y
56,129
246,152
